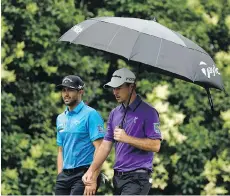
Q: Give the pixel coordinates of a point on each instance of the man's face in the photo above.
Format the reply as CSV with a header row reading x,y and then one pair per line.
x,y
71,96
122,92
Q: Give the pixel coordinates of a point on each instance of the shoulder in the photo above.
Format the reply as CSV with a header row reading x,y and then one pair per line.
x,y
60,121
91,111
149,108
60,116
115,110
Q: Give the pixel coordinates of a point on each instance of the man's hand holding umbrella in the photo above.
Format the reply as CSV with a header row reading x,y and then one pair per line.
x,y
120,135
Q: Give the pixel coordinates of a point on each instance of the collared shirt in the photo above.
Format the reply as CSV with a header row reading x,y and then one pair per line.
x,y
141,121
76,130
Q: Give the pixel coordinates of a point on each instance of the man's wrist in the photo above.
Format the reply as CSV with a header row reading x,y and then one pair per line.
x,y
126,139
91,169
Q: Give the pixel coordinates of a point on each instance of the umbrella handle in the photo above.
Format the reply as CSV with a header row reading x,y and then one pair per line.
x,y
210,99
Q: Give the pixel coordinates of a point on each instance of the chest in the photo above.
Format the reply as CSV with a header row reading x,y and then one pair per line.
x,y
75,125
133,123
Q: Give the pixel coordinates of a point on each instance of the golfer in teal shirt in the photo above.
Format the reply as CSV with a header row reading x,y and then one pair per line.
x,y
80,130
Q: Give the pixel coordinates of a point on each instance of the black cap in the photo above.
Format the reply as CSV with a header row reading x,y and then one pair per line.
x,y
71,81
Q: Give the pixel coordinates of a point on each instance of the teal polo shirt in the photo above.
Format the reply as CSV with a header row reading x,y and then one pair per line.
x,y
76,130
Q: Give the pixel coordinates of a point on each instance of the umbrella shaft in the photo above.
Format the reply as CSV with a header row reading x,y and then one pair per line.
x,y
210,99
126,109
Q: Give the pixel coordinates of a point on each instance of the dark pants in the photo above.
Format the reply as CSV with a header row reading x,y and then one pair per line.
x,y
132,183
69,182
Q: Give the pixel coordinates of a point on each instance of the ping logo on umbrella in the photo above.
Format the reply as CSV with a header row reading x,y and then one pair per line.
x,y
209,70
77,29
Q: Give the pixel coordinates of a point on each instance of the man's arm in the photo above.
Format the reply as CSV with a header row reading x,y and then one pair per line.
x,y
152,145
101,155
59,160
97,144
90,189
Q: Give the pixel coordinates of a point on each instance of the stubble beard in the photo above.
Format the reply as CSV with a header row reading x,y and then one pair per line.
x,y
71,103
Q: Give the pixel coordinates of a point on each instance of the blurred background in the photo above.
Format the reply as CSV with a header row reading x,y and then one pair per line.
x,y
195,155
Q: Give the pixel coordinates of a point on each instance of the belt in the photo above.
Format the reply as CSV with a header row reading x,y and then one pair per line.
x,y
75,170
133,171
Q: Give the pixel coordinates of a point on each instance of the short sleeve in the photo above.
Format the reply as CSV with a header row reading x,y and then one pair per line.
x,y
152,125
59,128
95,126
109,133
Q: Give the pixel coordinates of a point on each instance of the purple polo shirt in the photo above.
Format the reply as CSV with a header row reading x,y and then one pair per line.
x,y
141,121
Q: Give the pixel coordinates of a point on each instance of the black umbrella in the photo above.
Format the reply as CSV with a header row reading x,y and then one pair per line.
x,y
150,43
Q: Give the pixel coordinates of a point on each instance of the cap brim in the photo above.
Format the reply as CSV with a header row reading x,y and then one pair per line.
x,y
113,84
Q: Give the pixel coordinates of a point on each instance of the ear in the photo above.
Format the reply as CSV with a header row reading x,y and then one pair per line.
x,y
133,85
81,91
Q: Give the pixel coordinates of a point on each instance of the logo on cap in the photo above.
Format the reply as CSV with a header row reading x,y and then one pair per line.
x,y
67,80
116,76
80,87
130,79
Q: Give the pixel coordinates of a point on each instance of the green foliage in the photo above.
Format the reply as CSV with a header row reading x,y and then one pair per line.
x,y
194,157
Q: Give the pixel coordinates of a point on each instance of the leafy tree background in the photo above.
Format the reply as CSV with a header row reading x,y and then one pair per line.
x,y
194,158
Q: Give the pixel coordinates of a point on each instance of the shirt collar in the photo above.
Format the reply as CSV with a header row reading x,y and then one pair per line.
x,y
76,109
133,105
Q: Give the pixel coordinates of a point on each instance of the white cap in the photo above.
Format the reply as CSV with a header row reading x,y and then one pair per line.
x,y
120,77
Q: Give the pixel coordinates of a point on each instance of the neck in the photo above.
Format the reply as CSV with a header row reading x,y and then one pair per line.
x,y
133,97
71,107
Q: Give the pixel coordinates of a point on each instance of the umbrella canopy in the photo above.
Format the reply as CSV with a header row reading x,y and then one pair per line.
x,y
150,43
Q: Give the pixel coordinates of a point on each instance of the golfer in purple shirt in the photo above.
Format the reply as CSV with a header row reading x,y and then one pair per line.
x,y
135,143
